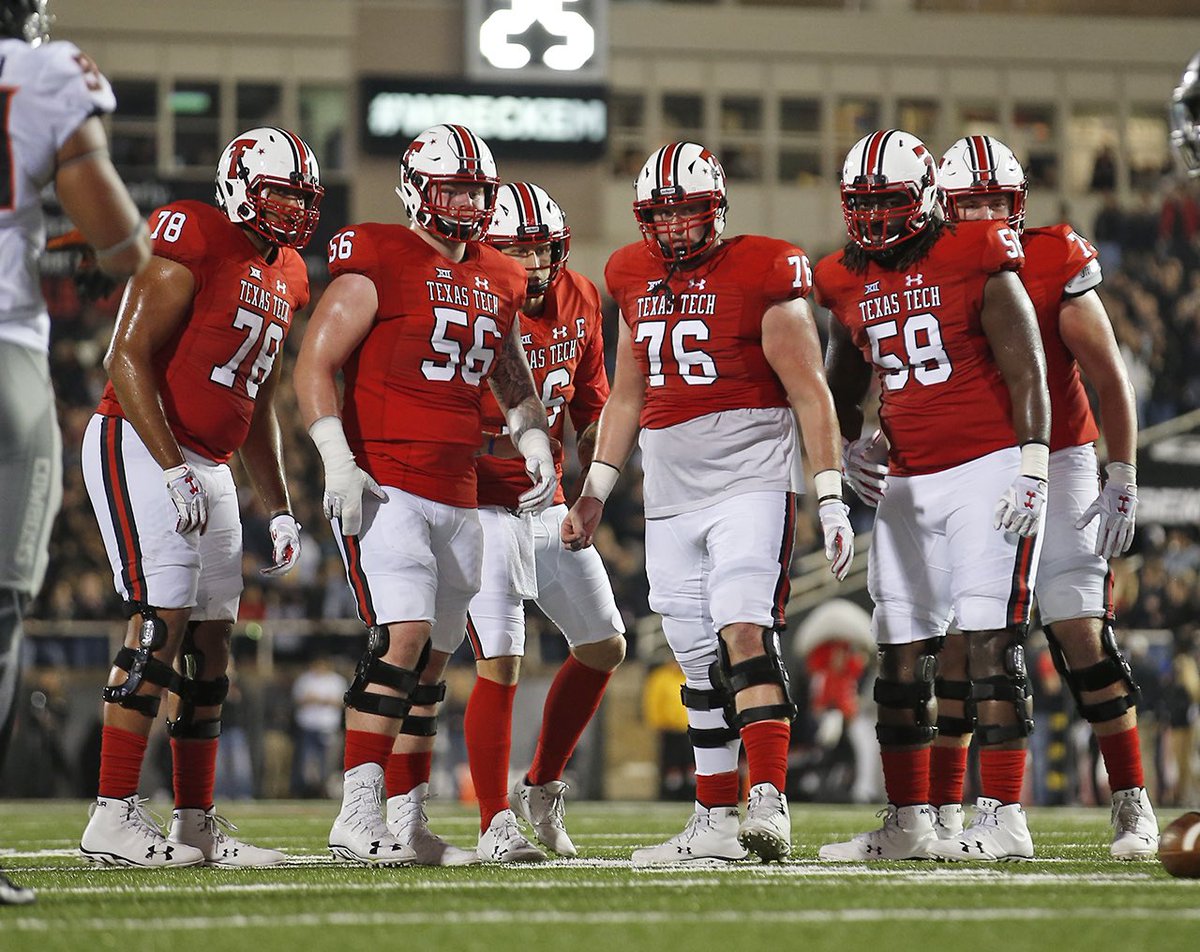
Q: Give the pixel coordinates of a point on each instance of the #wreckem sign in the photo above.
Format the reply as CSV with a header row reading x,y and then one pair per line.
x,y
523,40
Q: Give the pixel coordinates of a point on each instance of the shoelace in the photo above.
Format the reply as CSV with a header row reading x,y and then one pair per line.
x,y
140,817
1126,815
216,825
366,808
695,825
558,806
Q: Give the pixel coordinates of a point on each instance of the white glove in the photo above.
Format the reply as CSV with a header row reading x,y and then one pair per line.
x,y
285,544
344,481
865,468
839,536
534,445
1020,508
190,499
1117,508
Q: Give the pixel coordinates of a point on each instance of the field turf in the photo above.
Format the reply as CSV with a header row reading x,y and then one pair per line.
x,y
1072,898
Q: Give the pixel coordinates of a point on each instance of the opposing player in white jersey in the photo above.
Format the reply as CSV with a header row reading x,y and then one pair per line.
x,y
718,358
1086,524
52,97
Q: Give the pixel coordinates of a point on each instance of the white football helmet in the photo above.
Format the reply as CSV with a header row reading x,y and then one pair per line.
x,y
438,163
682,173
1185,118
277,161
526,215
889,189
982,165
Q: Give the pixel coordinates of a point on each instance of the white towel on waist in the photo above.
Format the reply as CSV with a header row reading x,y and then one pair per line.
x,y
522,569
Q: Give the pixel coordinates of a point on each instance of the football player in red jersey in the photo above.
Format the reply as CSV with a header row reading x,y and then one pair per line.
x,y
1086,525
939,314
718,359
417,319
524,558
193,375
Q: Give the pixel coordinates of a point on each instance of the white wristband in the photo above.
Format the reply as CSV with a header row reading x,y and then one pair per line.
x,y
531,440
1121,474
600,480
828,483
172,474
1035,461
330,440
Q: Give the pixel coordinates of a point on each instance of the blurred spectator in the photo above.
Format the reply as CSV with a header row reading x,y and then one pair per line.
x,y
1182,703
1104,170
664,712
317,698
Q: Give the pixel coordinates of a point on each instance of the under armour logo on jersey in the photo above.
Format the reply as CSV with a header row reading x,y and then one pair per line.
x,y
559,332
911,279
481,283
698,285
280,287
255,273
872,288
444,274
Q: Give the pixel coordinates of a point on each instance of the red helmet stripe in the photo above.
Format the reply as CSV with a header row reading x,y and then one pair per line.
x,y
873,153
301,151
466,141
529,209
666,163
981,153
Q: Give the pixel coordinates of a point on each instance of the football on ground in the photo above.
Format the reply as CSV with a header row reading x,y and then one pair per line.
x,y
1179,847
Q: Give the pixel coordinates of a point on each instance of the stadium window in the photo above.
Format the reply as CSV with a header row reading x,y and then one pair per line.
x,y
742,163
979,119
741,114
1035,137
683,115
627,111
258,104
918,116
323,111
800,115
800,166
1091,130
135,127
853,118
196,109
1146,142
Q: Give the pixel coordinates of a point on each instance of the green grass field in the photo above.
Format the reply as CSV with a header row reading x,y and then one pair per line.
x,y
1072,898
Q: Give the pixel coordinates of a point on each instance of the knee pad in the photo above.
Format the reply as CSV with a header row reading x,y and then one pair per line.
x,y
914,697
141,665
1013,686
423,695
714,699
766,668
1112,669
948,726
373,670
194,693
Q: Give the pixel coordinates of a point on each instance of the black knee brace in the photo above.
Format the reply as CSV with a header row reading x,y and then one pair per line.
x,y
372,670
766,668
1013,686
423,695
697,699
141,665
914,696
948,726
194,693
1096,677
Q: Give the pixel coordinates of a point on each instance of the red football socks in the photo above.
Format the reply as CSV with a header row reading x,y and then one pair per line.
x,y
487,728
406,771
1122,755
194,771
947,774
906,776
366,747
1001,774
717,790
121,755
573,699
766,744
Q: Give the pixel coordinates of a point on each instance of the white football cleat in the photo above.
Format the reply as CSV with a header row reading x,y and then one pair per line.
x,y
1135,828
13,895
907,833
997,833
208,832
408,823
710,834
948,820
767,830
503,842
544,808
123,832
360,832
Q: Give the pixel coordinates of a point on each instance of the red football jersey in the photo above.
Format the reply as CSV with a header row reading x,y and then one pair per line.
x,y
210,371
565,347
700,347
411,406
1055,258
943,401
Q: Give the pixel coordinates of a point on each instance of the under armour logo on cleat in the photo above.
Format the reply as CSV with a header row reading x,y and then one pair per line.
x,y
166,852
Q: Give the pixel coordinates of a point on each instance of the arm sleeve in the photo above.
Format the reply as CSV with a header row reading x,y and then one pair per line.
x,y
70,90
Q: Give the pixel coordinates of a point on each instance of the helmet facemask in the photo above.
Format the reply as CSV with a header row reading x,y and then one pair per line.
x,y
880,216
442,210
289,224
667,225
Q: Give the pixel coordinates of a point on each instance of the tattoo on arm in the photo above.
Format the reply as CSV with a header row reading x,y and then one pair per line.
x,y
512,380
